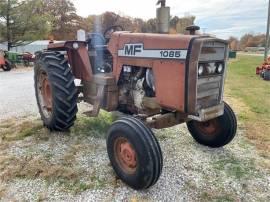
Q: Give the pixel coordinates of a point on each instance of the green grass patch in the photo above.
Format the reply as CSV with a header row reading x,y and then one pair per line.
x,y
69,177
235,168
243,83
250,89
12,130
208,196
77,186
96,127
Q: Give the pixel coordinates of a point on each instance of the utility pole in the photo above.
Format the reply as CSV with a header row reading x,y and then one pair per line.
x,y
267,35
8,25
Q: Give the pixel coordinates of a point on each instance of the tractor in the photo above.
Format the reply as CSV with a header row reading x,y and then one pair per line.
x,y
156,80
27,58
5,64
264,70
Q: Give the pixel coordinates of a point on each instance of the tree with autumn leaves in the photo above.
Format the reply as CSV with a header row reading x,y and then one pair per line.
x,y
29,20
247,40
22,20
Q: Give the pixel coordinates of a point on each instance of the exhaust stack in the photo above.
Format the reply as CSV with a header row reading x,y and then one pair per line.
x,y
163,17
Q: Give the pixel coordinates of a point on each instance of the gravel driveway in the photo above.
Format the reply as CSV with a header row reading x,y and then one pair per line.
x,y
17,97
42,166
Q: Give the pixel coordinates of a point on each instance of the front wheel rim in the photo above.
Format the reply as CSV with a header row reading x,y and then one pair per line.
x,y
125,155
209,128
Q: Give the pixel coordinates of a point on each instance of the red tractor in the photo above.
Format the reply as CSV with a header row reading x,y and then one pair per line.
x,y
157,80
4,63
264,70
27,58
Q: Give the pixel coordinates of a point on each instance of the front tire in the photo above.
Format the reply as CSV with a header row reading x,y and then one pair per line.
x,y
134,153
267,75
216,132
55,90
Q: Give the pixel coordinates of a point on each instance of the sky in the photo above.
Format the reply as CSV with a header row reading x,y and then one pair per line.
x,y
223,18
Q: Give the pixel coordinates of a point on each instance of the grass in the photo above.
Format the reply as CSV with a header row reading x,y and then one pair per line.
x,y
252,98
69,176
235,168
96,127
12,130
209,196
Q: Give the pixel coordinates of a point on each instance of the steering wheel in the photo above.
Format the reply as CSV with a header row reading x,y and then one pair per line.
x,y
108,32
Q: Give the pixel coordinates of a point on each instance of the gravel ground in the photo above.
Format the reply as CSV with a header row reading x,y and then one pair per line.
x,y
191,172
17,93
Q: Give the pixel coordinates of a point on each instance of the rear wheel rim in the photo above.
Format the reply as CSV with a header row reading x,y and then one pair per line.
x,y
45,94
125,155
209,128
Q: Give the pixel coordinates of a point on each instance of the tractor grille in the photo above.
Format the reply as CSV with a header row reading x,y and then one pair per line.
x,y
210,84
209,91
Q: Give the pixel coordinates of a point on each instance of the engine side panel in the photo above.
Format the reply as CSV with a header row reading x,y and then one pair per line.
x,y
171,89
148,51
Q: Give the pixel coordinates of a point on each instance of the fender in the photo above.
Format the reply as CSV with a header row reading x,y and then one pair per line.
x,y
77,57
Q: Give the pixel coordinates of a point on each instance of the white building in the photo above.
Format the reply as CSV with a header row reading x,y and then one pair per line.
x,y
29,47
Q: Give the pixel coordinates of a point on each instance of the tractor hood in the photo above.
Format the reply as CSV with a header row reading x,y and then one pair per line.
x,y
152,46
175,60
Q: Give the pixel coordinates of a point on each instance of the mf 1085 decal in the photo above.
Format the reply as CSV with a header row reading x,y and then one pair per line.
x,y
138,51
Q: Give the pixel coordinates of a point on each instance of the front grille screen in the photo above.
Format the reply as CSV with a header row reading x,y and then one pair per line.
x,y
208,91
210,87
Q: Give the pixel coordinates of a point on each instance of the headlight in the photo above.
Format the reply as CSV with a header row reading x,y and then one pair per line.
x,y
200,70
219,68
75,45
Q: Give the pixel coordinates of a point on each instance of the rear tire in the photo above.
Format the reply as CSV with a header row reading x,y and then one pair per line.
x,y
216,132
55,90
7,66
134,153
267,75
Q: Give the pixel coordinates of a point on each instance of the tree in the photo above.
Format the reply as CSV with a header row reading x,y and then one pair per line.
x,y
127,23
22,21
108,19
251,40
174,21
138,24
184,22
234,43
150,26
89,23
63,18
